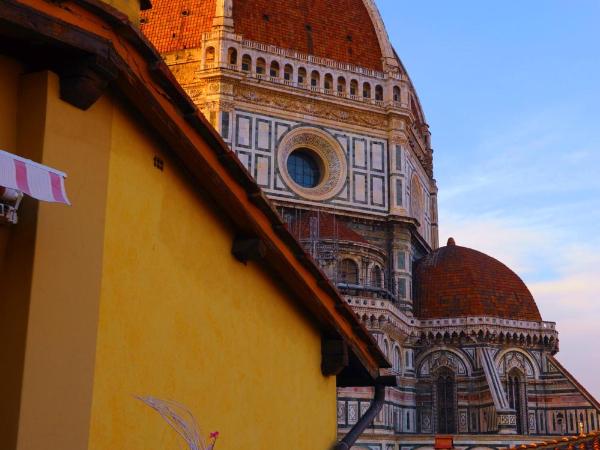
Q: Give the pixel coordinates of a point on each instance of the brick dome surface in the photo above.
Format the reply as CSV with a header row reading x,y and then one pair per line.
x,y
456,281
341,30
177,24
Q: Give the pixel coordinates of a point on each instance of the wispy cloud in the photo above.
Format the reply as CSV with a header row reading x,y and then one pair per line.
x,y
514,118
562,276
531,160
531,198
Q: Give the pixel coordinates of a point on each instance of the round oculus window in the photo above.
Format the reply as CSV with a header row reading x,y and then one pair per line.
x,y
312,163
304,168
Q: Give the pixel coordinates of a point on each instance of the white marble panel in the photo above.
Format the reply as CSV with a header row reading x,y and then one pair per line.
x,y
243,130
360,153
264,135
377,190
360,190
262,170
377,157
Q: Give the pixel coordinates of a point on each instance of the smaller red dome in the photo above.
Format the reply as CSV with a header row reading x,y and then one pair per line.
x,y
456,281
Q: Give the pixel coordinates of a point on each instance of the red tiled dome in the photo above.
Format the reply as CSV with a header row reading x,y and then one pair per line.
x,y
457,281
341,30
177,24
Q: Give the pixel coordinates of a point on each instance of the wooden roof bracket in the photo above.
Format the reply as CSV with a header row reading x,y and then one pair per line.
x,y
84,81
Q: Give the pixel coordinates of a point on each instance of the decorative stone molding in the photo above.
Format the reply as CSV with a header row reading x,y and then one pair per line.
x,y
507,422
332,161
317,109
427,365
509,359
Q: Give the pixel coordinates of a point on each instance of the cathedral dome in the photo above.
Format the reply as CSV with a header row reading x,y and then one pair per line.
x,y
341,30
457,281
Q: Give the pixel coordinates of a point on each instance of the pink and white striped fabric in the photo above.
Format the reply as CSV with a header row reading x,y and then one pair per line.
x,y
38,181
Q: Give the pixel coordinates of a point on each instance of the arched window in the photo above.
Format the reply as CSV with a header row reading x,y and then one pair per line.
x,y
348,272
274,71
302,76
232,56
366,90
376,277
354,87
341,85
315,79
210,55
386,348
445,389
560,421
379,93
515,388
288,72
397,361
246,63
328,82
397,94
261,66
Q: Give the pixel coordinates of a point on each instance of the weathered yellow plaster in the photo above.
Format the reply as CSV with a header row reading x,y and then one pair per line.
x,y
133,291
67,266
181,319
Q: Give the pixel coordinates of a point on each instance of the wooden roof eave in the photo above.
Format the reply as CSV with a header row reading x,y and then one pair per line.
x,y
99,30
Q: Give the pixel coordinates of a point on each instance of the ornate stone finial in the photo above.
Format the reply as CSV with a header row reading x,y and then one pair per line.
x,y
451,242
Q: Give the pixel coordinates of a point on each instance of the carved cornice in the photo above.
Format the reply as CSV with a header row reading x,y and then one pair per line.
x,y
307,106
384,316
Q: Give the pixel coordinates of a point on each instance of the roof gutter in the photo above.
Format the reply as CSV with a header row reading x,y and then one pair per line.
x,y
378,400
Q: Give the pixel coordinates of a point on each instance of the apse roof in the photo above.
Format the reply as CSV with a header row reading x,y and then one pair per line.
x,y
456,281
341,30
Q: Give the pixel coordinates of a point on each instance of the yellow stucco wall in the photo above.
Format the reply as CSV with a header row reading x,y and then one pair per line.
x,y
133,291
64,291
129,7
181,319
51,279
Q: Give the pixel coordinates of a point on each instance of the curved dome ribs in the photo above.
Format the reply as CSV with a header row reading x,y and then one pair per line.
x,y
456,281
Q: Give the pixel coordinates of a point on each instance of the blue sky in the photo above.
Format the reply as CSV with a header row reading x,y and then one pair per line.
x,y
511,91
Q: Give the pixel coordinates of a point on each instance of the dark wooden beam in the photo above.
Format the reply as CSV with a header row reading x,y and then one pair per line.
x,y
248,249
84,81
334,356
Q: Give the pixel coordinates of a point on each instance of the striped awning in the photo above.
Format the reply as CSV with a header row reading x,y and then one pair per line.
x,y
36,180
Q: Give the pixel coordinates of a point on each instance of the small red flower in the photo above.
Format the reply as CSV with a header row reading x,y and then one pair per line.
x,y
214,435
